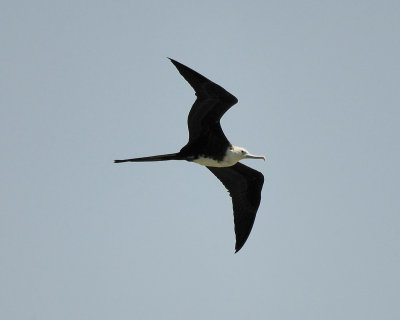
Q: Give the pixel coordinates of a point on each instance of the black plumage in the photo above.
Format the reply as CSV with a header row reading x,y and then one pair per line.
x,y
244,185
207,140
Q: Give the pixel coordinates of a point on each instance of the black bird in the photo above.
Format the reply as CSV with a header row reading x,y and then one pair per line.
x,y
209,147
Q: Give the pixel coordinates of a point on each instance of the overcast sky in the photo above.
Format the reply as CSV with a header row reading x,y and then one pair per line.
x,y
85,82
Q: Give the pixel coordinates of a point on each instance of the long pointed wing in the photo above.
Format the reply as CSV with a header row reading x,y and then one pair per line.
x,y
244,185
211,104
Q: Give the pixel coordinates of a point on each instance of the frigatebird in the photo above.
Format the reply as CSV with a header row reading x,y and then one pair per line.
x,y
208,146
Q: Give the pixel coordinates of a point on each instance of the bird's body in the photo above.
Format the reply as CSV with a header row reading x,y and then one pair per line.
x,y
208,146
231,157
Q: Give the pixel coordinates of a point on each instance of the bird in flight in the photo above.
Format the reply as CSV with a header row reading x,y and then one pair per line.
x,y
208,146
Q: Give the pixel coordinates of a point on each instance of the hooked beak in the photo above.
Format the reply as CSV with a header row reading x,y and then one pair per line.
x,y
251,156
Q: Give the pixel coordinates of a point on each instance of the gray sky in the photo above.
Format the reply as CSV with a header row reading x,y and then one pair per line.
x,y
85,82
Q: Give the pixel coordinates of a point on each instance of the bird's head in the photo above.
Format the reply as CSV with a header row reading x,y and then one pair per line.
x,y
242,153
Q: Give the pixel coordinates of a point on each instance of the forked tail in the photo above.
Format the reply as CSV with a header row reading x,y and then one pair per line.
x,y
161,157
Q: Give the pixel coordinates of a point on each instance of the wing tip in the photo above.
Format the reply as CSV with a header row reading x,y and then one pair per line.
x,y
174,62
238,247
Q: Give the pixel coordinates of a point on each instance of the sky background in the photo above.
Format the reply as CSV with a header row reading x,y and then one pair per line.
x,y
85,82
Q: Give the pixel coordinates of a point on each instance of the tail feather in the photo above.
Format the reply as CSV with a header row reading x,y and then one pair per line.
x,y
161,157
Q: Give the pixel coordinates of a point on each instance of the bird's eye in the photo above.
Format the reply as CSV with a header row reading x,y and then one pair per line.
x,y
243,152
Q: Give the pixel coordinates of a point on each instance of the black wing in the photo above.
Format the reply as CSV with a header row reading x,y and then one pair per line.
x,y
244,185
211,104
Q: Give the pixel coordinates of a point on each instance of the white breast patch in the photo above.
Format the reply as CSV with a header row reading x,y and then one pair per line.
x,y
230,159
208,162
